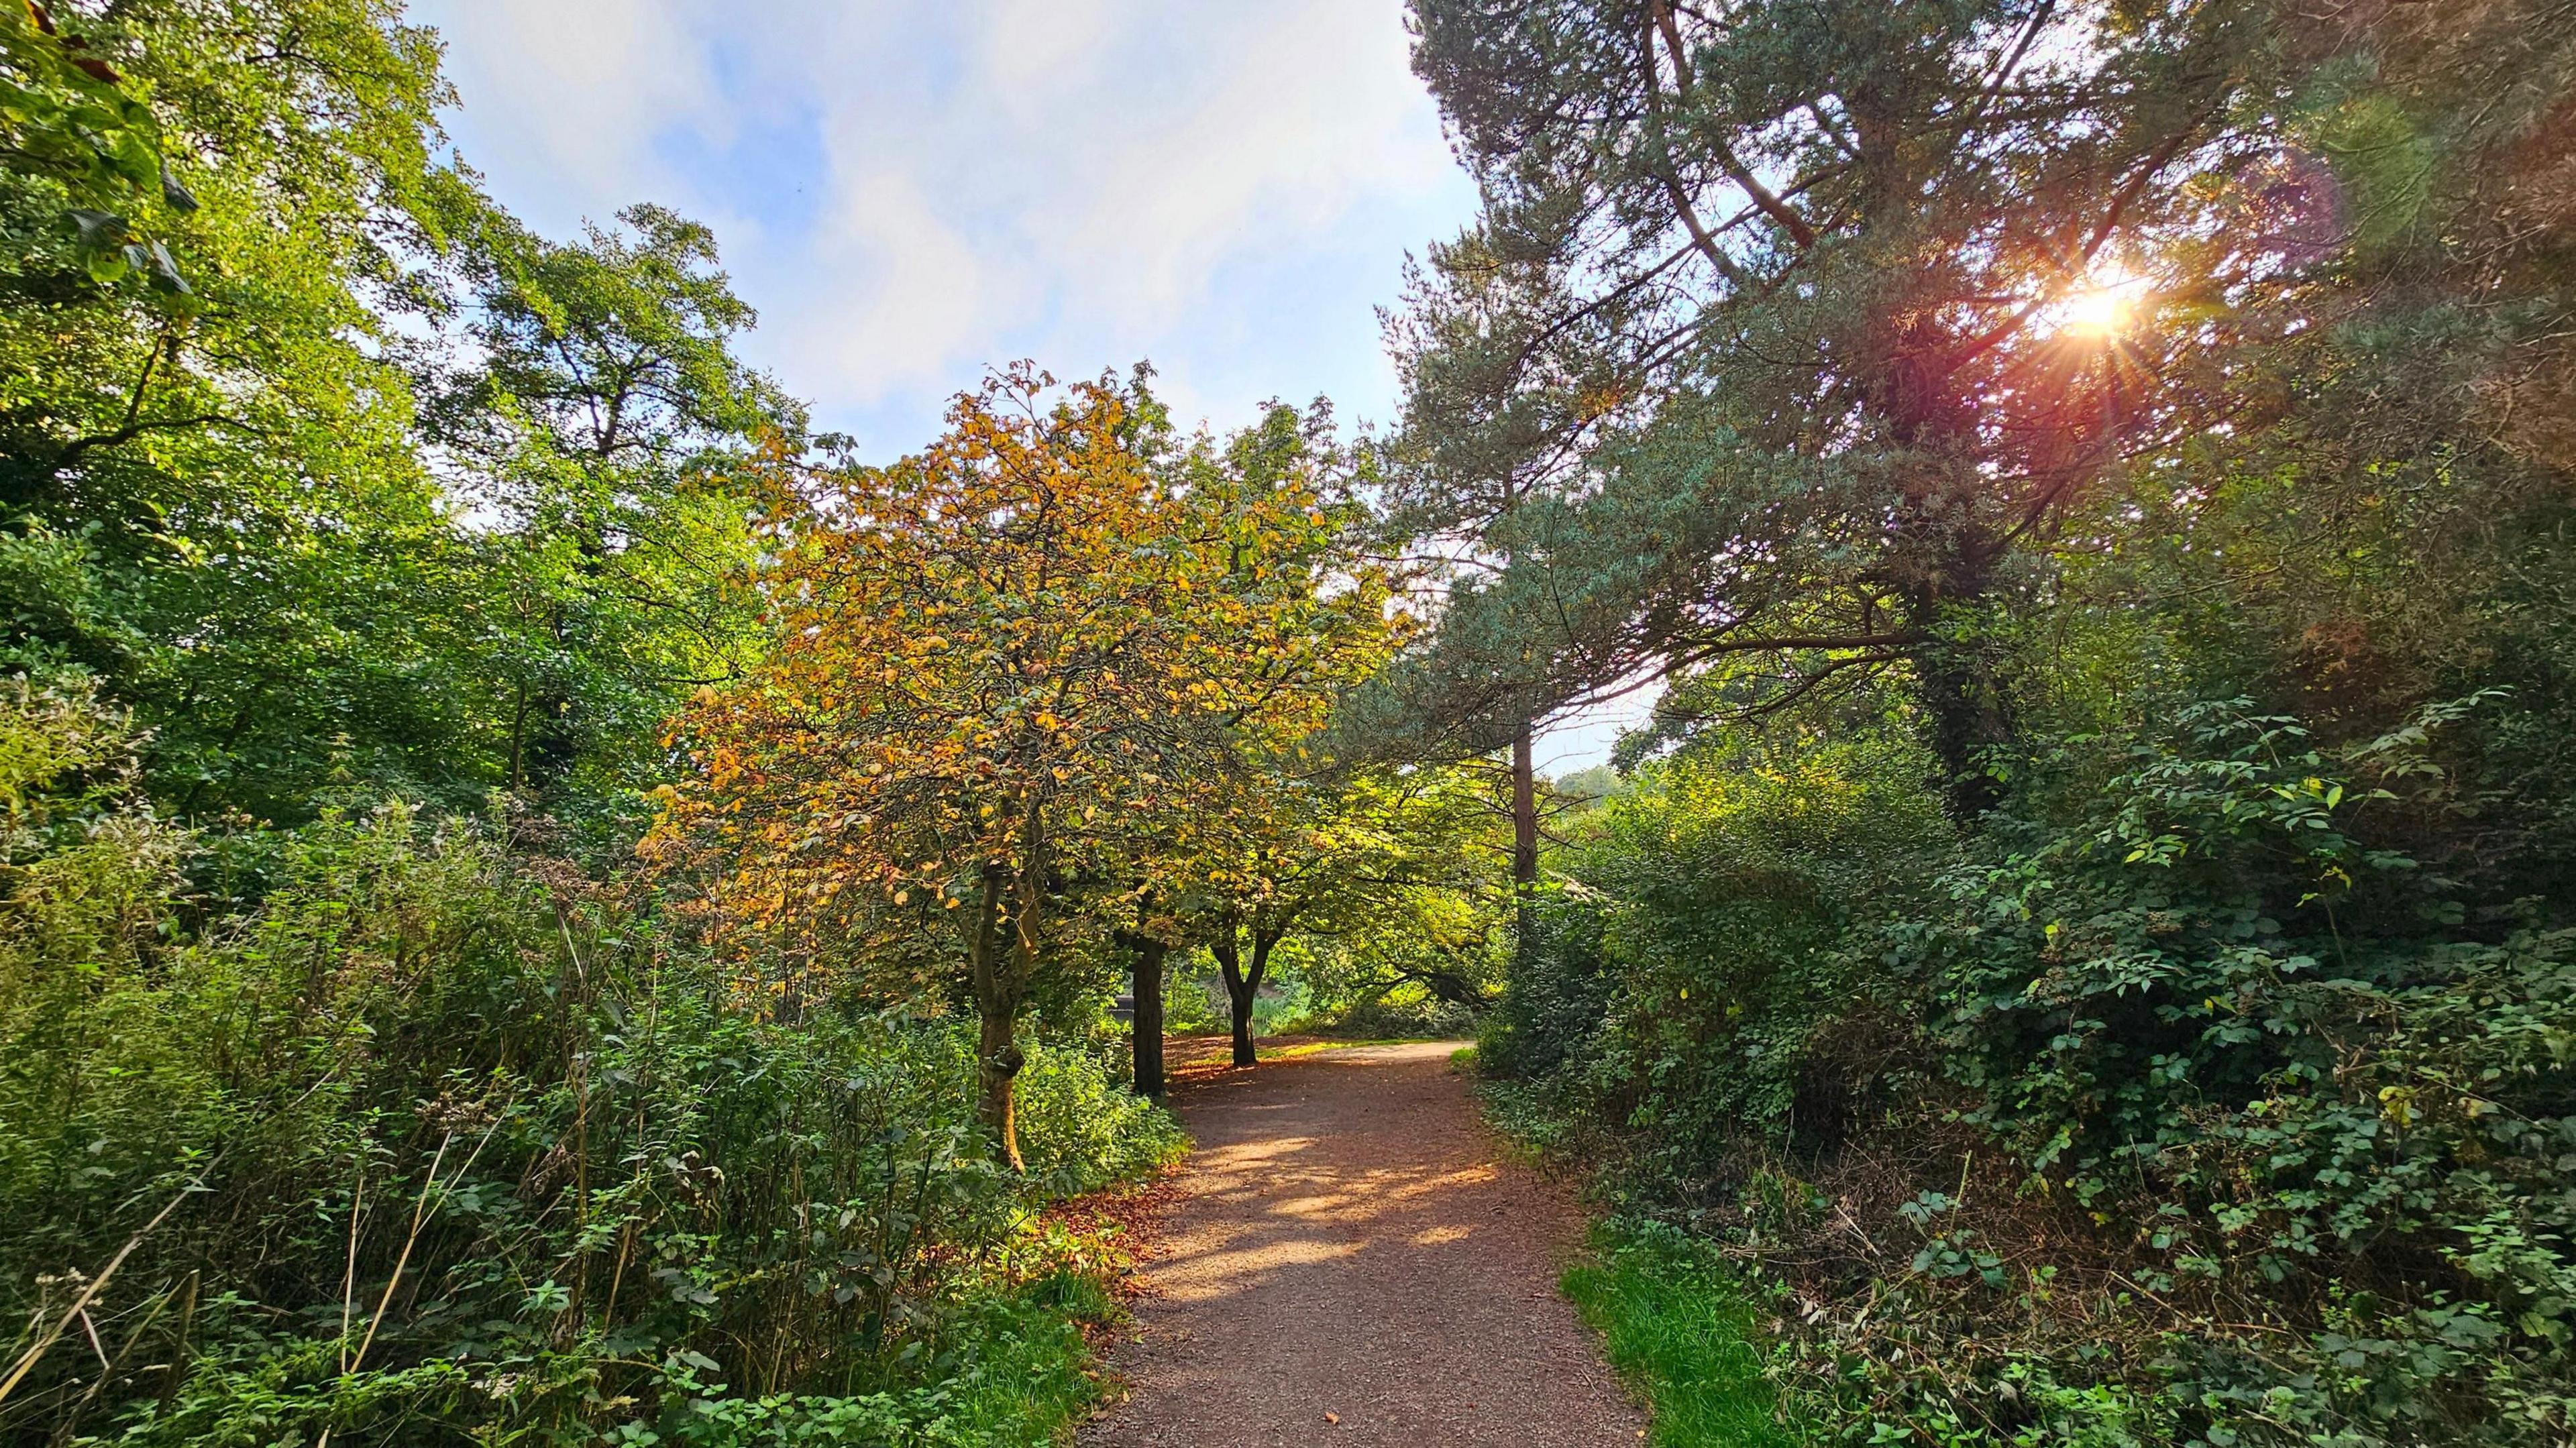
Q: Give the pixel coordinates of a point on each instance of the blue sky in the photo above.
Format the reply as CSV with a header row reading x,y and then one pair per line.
x,y
912,192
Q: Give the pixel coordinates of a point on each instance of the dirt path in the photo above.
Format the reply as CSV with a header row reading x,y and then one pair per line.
x,y
1348,1241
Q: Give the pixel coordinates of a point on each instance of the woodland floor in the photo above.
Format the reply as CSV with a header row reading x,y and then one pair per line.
x,y
1350,1258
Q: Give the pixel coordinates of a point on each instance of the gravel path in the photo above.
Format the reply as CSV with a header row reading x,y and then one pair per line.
x,y
1351,1261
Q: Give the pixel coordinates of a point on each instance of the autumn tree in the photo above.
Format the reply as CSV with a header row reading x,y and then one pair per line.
x,y
1003,665
1332,626
1328,625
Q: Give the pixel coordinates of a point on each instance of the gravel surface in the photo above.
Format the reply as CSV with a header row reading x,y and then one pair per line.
x,y
1350,1260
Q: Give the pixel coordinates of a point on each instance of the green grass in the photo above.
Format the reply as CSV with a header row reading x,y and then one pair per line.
x,y
1036,1377
1683,1331
1025,1379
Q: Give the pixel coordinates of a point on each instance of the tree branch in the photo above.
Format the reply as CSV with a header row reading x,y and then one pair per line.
x,y
1673,188
1736,171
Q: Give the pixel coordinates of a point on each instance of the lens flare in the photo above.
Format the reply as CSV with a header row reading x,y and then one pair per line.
x,y
2098,312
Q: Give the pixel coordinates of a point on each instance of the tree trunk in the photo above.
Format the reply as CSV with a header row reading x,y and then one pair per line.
x,y
1524,828
998,989
998,1061
1951,566
1962,700
1966,723
1241,998
1149,1017
1241,990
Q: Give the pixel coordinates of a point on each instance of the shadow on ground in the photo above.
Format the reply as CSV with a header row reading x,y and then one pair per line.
x,y
1350,1241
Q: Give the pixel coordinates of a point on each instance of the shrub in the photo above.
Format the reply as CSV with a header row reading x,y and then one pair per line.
x,y
437,1138
2182,1103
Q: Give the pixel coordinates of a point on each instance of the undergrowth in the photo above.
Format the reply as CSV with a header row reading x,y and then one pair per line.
x,y
2182,1104
401,1130
1024,1375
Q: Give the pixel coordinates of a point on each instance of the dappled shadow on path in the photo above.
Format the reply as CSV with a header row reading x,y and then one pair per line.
x,y
1350,1242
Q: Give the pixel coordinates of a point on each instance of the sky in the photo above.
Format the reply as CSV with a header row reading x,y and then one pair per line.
x,y
912,191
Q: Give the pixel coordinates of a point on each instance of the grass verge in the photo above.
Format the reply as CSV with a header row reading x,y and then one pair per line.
x,y
1303,1048
1037,1375
1682,1330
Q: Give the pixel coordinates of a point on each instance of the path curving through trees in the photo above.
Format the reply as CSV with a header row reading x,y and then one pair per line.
x,y
1353,1261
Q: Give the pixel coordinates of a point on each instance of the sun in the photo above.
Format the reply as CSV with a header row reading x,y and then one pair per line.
x,y
2098,312
2108,304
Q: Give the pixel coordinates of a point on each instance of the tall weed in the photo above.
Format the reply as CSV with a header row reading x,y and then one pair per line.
x,y
397,1129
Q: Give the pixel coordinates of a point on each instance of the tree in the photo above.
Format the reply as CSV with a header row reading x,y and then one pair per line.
x,y
596,409
1330,615
209,498
1002,665
373,490
1333,606
74,132
1790,321
1334,858
1148,944
1461,496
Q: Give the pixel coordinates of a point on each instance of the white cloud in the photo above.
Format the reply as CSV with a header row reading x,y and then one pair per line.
x,y
1037,50
1224,187
1285,140
579,87
896,295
